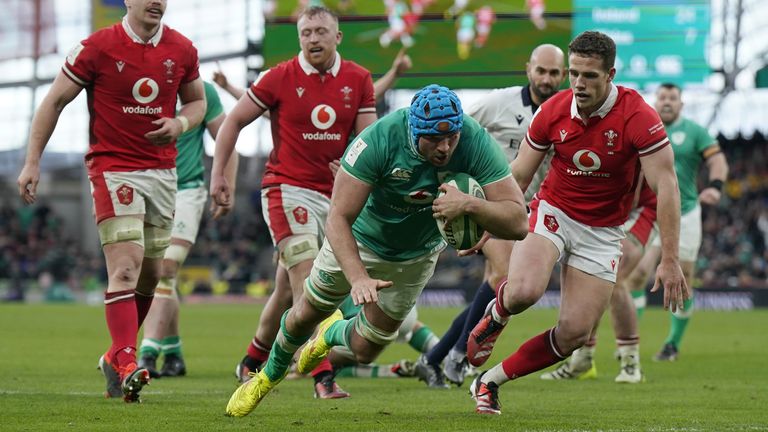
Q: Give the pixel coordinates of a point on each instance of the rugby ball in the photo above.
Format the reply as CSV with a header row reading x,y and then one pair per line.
x,y
462,232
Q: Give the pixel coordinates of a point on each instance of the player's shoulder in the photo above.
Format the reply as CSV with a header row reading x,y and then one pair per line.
x,y
104,37
631,100
559,105
175,37
692,125
286,66
352,68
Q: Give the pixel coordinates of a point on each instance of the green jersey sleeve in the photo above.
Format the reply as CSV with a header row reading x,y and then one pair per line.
x,y
488,162
363,159
214,107
703,139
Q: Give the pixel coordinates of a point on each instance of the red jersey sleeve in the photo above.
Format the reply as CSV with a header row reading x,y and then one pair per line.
x,y
264,91
646,131
536,137
81,63
367,96
193,66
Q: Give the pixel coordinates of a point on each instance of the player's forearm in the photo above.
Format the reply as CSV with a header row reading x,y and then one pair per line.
x,y
230,171
43,123
225,146
668,216
339,233
505,219
718,167
194,112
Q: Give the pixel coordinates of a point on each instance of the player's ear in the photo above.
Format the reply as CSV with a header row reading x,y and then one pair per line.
x,y
339,37
611,74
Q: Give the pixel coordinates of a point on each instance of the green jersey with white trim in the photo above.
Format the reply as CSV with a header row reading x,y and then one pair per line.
x,y
689,141
189,162
396,222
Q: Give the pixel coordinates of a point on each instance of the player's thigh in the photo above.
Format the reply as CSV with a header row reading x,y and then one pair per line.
x,y
296,220
645,269
327,286
690,235
530,267
190,205
497,252
632,253
408,281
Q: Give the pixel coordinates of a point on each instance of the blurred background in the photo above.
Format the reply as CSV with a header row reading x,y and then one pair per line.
x,y
716,50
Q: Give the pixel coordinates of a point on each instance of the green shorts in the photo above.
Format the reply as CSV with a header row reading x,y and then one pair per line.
x,y
327,287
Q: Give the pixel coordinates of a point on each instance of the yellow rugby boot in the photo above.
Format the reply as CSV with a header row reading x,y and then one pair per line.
x,y
249,394
317,349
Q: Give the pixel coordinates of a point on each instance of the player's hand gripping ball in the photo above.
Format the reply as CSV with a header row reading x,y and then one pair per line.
x,y
461,232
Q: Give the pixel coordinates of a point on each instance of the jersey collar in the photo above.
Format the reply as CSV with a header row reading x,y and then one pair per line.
x,y
604,109
131,34
309,69
525,94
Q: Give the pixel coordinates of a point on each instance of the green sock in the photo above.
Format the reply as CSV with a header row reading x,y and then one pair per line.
x,y
639,298
172,345
282,352
150,347
338,333
423,339
348,308
366,371
679,321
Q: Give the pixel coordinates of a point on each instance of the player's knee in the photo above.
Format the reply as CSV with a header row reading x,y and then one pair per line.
x,y
126,271
571,336
174,256
298,248
372,339
522,295
156,241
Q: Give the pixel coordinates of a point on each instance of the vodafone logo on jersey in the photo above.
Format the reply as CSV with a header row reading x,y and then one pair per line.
x,y
588,164
145,90
323,116
586,160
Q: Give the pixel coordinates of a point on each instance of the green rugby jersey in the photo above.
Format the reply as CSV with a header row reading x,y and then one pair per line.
x,y
189,161
689,141
396,222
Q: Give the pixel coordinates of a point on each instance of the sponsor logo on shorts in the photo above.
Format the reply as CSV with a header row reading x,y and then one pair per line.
x,y
550,223
124,194
613,264
323,116
301,215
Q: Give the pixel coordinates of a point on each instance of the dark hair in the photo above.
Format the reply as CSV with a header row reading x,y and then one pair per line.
x,y
314,11
594,44
670,86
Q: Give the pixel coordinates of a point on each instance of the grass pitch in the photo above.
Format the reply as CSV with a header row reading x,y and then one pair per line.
x,y
49,381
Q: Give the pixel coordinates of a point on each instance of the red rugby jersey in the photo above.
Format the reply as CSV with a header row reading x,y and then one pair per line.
x,y
312,117
595,168
129,85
